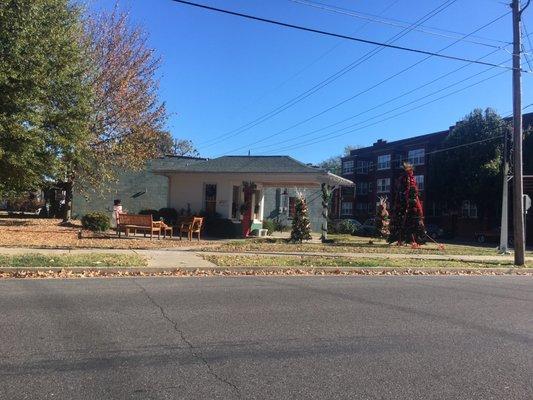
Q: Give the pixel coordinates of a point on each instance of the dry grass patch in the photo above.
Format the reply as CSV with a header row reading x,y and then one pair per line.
x,y
325,261
50,233
72,260
350,244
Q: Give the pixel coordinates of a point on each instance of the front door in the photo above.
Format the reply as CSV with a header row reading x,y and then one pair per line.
x,y
210,198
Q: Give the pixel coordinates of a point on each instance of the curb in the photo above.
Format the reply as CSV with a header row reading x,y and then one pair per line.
x,y
55,272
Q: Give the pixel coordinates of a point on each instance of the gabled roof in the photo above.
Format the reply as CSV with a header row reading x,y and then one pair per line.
x,y
250,164
246,164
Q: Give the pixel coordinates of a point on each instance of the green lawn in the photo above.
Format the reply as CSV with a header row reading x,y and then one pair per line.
x,y
92,260
352,244
325,261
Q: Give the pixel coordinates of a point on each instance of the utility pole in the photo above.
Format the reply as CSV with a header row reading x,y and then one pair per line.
x,y
518,184
504,230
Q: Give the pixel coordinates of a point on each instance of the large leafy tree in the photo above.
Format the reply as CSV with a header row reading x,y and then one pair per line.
x,y
528,152
469,167
334,164
44,96
127,118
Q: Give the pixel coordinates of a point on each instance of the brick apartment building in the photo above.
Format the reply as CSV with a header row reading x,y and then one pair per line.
x,y
375,169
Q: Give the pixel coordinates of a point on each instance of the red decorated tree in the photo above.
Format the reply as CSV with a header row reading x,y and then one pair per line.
x,y
407,220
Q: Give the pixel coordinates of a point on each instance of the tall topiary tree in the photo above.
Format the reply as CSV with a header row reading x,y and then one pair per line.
x,y
382,218
301,226
407,223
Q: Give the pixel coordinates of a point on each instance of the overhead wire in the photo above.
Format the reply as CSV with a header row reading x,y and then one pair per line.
x,y
270,136
342,36
243,128
397,23
330,136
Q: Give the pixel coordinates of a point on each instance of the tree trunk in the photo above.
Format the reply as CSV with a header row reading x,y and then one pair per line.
x,y
326,197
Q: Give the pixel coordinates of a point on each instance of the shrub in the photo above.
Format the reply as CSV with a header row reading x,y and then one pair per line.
x,y
269,225
274,225
96,221
347,226
222,228
153,213
279,226
169,215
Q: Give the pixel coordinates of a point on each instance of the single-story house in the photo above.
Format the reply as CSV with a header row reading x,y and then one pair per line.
x,y
240,188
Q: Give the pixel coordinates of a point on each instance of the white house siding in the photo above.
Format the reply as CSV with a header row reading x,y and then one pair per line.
x,y
274,209
187,191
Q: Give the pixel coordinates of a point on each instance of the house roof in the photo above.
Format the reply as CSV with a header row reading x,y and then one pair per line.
x,y
247,164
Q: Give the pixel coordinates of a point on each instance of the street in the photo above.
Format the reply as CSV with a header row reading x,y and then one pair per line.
x,y
267,338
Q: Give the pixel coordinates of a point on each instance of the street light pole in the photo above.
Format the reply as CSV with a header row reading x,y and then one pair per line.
x,y
518,185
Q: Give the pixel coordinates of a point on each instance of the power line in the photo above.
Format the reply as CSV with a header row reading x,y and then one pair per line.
x,y
329,136
269,137
384,113
317,59
341,36
325,82
397,23
401,95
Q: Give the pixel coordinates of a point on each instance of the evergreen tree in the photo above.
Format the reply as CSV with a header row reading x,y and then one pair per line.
x,y
301,226
382,218
407,223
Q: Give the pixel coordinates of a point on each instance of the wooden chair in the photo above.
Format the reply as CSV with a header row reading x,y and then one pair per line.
x,y
165,229
191,226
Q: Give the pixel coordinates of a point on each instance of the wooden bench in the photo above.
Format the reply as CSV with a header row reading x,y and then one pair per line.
x,y
191,226
136,222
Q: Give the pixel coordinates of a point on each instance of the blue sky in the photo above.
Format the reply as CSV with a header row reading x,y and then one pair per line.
x,y
221,72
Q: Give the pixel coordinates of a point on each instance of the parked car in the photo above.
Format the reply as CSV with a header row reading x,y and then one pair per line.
x,y
368,228
434,231
492,235
348,225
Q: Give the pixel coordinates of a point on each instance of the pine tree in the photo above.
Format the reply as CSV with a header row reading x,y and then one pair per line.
x,y
407,223
382,218
301,226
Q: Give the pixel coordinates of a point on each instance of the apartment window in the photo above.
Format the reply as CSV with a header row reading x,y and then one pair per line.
x,y
384,162
362,167
361,188
347,191
361,206
347,167
416,156
469,209
419,181
383,185
346,208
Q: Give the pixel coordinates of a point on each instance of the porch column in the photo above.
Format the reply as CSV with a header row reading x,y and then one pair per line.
x,y
262,205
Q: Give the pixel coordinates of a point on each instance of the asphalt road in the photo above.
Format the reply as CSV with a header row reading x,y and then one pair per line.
x,y
267,338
